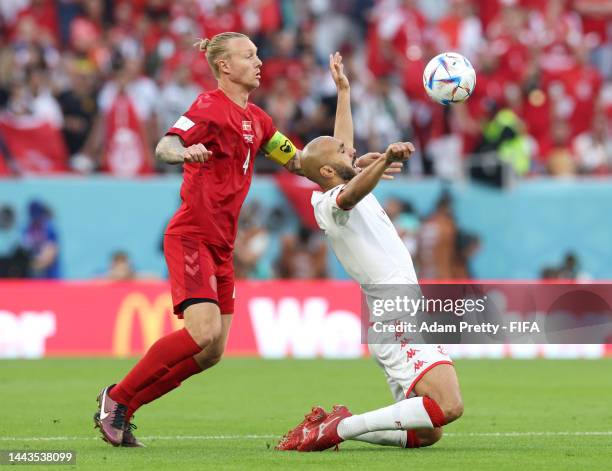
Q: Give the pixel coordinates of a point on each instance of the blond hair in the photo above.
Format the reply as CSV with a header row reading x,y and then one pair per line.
x,y
216,49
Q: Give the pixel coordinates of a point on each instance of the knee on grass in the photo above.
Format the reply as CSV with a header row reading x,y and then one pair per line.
x,y
452,409
424,437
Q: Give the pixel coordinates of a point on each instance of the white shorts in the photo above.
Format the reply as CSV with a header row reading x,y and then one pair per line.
x,y
405,364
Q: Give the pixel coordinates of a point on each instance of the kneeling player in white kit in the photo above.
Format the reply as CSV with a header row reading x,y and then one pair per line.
x,y
421,377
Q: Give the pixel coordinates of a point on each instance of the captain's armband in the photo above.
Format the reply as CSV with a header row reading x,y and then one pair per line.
x,y
279,148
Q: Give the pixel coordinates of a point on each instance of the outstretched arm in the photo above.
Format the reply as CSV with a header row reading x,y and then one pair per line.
x,y
363,183
343,127
170,149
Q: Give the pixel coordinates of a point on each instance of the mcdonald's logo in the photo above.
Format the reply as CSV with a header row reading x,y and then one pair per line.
x,y
151,317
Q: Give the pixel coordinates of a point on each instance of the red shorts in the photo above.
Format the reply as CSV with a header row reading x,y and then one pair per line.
x,y
199,271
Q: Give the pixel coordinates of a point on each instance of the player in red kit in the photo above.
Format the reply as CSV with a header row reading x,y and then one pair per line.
x,y
216,140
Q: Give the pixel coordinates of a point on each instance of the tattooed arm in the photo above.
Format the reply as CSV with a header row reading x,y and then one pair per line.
x,y
170,149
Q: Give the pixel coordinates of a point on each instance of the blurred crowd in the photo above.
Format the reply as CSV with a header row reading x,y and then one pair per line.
x,y
440,249
268,245
90,85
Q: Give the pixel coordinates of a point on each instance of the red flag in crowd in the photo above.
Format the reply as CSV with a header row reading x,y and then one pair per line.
x,y
126,153
298,191
35,147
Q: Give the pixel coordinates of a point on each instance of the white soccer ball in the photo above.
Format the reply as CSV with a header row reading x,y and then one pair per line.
x,y
449,78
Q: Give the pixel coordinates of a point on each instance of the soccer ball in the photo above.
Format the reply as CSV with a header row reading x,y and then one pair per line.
x,y
449,78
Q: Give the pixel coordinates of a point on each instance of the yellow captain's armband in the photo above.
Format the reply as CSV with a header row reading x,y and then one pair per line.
x,y
279,148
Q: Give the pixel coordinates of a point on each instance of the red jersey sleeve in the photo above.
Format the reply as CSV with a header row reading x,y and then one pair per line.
x,y
192,127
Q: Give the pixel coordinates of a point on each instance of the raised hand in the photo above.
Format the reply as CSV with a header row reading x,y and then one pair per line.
x,y
337,71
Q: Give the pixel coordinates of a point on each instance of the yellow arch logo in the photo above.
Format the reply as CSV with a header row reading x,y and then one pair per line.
x,y
151,317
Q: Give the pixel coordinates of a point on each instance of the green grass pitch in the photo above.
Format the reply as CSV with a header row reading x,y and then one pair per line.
x,y
519,415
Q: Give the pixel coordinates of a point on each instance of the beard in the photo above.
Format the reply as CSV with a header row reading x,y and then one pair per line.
x,y
345,172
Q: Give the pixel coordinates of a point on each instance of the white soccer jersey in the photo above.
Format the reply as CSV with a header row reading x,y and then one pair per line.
x,y
364,240
368,246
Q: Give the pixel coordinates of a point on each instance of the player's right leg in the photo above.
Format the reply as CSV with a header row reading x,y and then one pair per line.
x,y
423,370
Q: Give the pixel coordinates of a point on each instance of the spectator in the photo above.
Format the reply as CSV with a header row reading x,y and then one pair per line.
x,y
303,256
78,104
593,148
505,134
175,97
462,29
120,268
126,130
44,106
466,245
437,246
41,241
560,158
14,261
407,223
382,115
568,270
252,241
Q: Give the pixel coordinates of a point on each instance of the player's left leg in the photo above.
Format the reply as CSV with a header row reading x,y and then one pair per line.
x,y
204,360
207,358
402,438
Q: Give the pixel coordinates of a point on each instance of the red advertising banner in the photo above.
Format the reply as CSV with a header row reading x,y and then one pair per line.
x,y
273,319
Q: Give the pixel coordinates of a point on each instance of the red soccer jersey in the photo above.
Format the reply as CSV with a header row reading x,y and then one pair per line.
x,y
212,193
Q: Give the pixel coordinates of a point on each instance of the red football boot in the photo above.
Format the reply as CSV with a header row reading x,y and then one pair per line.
x,y
295,436
326,434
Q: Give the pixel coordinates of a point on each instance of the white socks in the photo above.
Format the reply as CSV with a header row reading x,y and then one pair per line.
x,y
403,415
385,438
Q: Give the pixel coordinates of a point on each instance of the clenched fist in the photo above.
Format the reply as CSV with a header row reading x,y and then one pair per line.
x,y
196,153
399,151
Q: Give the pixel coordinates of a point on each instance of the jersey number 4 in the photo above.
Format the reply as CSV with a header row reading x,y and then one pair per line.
x,y
245,166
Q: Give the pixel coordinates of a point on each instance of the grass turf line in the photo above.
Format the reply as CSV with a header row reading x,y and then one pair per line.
x,y
56,398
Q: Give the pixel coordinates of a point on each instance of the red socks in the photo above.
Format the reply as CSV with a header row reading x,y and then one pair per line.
x,y
157,362
436,415
165,384
412,441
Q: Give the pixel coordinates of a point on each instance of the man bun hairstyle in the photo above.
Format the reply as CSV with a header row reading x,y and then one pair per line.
x,y
217,49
